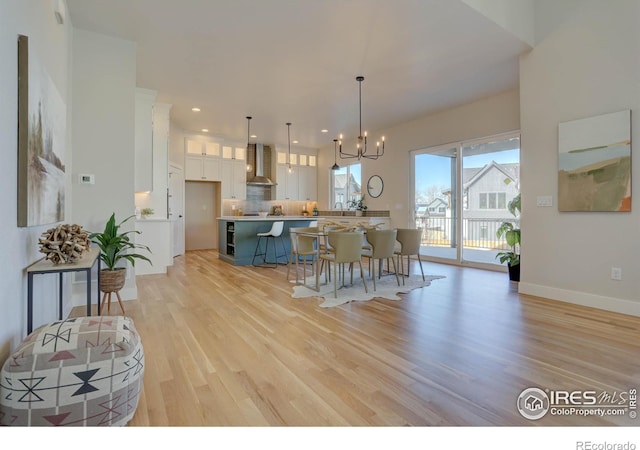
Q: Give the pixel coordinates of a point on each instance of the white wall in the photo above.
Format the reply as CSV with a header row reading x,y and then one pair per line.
x,y
587,65
489,116
52,43
104,83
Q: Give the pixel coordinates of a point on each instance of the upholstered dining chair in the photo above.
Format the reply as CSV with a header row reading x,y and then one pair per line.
x,y
382,246
409,239
302,246
347,249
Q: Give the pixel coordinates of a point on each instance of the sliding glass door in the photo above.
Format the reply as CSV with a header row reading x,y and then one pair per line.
x,y
460,194
435,200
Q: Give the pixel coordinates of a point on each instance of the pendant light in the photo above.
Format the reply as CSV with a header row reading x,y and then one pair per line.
x,y
335,152
361,146
249,168
289,141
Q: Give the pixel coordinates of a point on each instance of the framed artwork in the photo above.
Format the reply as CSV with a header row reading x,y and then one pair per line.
x,y
41,142
594,163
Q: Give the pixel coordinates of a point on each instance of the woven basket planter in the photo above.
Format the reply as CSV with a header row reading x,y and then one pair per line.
x,y
112,280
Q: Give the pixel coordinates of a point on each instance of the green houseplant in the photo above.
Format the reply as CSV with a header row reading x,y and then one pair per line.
x,y
512,236
358,205
116,248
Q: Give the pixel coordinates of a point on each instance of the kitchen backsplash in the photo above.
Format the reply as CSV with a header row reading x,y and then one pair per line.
x,y
253,206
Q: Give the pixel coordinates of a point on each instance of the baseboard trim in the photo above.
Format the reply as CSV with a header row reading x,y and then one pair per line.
x,y
617,305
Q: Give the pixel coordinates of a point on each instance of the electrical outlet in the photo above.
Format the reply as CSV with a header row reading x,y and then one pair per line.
x,y
616,273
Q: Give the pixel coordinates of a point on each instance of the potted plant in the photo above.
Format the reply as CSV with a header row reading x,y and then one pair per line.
x,y
512,236
146,212
115,249
358,205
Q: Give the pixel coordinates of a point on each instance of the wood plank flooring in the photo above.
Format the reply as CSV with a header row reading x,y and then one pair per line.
x,y
228,346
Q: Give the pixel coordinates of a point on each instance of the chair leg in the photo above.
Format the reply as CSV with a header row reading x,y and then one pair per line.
x,y
364,283
395,270
401,264
373,275
335,280
421,271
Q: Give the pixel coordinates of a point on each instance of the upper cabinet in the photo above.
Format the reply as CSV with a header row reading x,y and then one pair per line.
x,y
299,183
202,160
145,98
216,160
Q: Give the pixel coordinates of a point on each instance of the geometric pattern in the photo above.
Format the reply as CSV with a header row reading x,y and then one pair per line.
x,y
84,371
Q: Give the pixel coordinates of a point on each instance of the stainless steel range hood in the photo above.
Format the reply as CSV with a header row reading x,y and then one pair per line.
x,y
259,179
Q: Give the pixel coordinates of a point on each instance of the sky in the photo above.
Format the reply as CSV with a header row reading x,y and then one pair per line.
x,y
436,170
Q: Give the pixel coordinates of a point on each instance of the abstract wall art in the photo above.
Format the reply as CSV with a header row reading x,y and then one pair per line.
x,y
594,163
41,142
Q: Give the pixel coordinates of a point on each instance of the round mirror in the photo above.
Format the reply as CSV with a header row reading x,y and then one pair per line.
x,y
375,186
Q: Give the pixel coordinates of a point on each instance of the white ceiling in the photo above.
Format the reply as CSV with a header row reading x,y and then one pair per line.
x,y
296,61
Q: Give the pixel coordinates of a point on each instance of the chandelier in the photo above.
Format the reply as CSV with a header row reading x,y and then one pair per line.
x,y
361,147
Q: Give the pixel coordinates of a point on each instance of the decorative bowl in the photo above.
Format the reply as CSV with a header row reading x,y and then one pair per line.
x,y
263,213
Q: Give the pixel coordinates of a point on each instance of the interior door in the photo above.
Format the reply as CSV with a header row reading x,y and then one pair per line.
x,y
176,208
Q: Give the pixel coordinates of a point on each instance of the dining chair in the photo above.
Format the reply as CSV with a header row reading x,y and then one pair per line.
x,y
272,235
382,246
302,246
409,239
347,249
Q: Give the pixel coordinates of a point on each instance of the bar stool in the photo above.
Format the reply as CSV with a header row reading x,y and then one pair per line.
x,y
271,235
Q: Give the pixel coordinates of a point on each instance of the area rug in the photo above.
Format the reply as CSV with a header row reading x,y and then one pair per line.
x,y
385,288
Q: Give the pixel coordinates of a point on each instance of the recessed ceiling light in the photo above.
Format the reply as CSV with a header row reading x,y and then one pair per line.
x,y
205,130
324,131
294,141
195,109
253,136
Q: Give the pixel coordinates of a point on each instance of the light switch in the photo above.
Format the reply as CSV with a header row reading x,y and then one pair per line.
x,y
544,200
87,178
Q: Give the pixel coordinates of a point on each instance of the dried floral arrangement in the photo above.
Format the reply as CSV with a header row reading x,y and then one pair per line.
x,y
64,243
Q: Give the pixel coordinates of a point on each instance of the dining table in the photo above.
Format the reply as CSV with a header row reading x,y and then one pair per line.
x,y
321,235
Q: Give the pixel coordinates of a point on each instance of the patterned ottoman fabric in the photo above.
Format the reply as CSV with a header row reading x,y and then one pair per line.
x,y
85,371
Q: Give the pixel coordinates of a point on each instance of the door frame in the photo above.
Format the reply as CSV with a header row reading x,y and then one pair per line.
x,y
177,242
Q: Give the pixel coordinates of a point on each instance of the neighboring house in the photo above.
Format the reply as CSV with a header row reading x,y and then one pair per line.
x,y
487,192
340,182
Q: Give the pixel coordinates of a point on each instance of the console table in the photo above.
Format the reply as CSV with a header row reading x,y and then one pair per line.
x,y
41,266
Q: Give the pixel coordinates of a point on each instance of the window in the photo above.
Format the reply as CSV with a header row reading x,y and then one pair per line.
x,y
493,200
346,185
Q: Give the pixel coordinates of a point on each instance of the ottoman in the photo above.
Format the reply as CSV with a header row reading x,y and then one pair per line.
x,y
85,371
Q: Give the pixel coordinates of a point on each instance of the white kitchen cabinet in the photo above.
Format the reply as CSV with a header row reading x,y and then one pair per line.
x,y
201,168
307,183
302,182
287,187
202,160
233,174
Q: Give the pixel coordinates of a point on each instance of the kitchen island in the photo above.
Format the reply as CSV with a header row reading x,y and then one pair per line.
x,y
238,236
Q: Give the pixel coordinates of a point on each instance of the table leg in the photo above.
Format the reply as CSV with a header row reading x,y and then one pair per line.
x,y
89,291
60,295
29,303
98,289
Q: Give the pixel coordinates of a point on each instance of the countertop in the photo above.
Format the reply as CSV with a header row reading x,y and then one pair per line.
x,y
262,219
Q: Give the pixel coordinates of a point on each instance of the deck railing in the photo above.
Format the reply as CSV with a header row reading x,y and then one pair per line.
x,y
476,232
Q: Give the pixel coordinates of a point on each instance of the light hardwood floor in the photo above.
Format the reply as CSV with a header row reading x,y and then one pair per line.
x,y
228,346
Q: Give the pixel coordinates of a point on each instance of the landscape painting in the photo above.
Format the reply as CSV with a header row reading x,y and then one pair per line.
x,y
595,163
41,142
